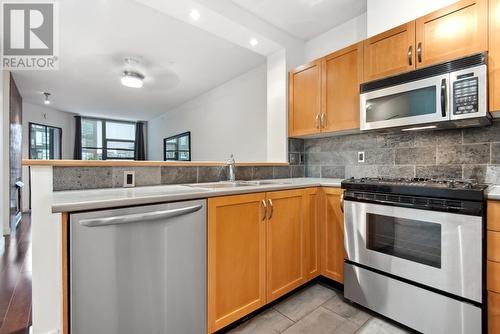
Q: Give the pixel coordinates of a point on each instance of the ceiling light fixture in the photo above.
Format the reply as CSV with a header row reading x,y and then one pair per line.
x,y
132,79
253,41
47,101
195,15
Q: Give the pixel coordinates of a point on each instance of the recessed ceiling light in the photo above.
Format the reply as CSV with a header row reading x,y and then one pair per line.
x,y
253,41
132,79
47,101
195,15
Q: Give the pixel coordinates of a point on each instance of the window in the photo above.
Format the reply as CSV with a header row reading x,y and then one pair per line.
x,y
177,147
106,139
45,142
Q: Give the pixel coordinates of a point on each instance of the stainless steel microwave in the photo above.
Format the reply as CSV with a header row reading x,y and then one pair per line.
x,y
451,94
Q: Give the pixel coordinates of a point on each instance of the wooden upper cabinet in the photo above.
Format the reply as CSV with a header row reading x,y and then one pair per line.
x,y
236,258
304,99
311,223
285,269
343,71
452,32
332,234
389,53
494,55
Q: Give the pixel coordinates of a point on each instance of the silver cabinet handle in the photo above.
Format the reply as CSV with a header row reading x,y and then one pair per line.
x,y
139,217
317,122
322,120
410,55
264,205
419,52
342,202
271,211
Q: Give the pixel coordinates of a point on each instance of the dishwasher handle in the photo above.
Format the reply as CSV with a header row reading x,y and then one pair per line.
x,y
139,217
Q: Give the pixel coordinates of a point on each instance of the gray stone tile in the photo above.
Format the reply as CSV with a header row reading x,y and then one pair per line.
x,y
379,156
396,140
268,322
439,172
347,310
77,178
396,171
336,172
263,173
304,302
212,174
244,173
322,321
314,171
483,134
355,142
313,145
295,145
414,155
178,175
464,154
281,172
438,138
144,176
298,171
379,326
358,171
475,172
493,174
294,158
495,153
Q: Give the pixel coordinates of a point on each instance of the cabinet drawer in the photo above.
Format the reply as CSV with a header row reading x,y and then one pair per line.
x,y
493,276
494,215
494,246
493,313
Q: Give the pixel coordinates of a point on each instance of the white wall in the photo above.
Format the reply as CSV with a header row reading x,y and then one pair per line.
x,y
386,14
337,38
4,151
46,116
229,119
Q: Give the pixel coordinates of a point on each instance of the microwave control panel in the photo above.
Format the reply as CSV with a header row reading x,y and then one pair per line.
x,y
465,94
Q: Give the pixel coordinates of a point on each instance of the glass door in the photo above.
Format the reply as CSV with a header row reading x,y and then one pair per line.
x,y
45,142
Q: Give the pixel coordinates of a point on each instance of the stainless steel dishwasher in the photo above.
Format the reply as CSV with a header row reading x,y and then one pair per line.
x,y
139,270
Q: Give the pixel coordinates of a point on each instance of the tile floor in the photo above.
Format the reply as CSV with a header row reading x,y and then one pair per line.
x,y
317,309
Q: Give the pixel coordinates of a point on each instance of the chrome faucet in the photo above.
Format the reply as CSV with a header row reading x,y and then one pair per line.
x,y
232,169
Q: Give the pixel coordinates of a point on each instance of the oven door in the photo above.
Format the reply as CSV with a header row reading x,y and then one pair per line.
x,y
437,249
416,102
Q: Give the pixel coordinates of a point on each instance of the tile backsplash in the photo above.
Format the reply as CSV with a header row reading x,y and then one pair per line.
x,y
456,153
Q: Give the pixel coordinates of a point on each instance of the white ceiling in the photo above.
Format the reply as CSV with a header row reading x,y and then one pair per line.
x,y
179,60
304,19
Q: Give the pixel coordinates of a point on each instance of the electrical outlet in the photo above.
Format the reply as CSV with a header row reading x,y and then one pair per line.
x,y
361,156
128,179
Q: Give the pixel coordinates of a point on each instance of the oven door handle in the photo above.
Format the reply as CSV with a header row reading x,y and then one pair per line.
x,y
443,97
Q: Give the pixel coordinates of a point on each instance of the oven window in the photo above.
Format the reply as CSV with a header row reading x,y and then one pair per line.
x,y
412,103
409,239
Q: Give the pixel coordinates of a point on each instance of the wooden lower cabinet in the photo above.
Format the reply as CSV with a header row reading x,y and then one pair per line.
x,y
332,235
493,312
256,255
285,244
236,258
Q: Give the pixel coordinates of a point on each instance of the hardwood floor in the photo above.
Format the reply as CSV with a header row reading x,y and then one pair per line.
x,y
15,280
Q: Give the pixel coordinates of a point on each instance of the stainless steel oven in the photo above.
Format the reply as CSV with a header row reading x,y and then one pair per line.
x,y
415,252
452,94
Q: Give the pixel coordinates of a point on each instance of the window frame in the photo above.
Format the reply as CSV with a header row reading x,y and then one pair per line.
x,y
51,157
188,134
105,139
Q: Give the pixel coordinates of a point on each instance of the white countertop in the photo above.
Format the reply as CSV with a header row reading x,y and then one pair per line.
x,y
493,193
83,200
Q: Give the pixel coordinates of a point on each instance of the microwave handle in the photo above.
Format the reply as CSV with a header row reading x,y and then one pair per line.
x,y
443,97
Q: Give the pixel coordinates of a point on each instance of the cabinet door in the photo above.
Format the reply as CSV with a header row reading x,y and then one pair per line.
x,y
343,72
493,313
332,235
311,233
236,258
304,99
494,55
284,242
452,32
390,52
